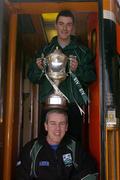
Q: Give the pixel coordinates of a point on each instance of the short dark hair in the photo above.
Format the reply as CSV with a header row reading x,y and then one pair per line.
x,y
59,111
66,13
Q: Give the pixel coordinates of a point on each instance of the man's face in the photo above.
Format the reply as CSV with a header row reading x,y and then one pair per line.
x,y
64,27
56,127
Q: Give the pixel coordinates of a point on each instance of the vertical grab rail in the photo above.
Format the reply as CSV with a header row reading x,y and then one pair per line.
x,y
112,153
118,152
9,108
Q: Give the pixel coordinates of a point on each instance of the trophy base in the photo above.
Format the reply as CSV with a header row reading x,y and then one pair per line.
x,y
55,101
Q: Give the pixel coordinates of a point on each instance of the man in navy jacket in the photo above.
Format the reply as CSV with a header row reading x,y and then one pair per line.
x,y
55,156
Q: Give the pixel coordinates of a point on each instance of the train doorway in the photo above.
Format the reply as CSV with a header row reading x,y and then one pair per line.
x,y
28,31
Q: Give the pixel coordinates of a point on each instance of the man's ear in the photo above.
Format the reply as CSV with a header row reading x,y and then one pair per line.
x,y
45,125
73,31
66,128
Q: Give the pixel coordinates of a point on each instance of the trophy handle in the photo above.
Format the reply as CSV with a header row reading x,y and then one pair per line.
x,y
71,57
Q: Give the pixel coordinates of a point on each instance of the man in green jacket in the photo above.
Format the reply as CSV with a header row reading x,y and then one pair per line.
x,y
81,65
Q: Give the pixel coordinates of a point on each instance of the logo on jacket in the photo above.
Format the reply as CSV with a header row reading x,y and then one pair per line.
x,y
44,163
67,159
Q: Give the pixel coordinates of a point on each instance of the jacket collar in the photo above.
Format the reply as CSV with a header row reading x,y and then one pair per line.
x,y
66,140
73,43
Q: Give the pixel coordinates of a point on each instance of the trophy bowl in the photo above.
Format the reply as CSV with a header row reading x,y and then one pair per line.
x,y
56,71
57,65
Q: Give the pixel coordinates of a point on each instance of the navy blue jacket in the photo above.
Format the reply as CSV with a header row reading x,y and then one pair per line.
x,y
55,165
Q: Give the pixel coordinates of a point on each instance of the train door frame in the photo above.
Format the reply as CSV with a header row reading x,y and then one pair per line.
x,y
2,87
10,89
109,119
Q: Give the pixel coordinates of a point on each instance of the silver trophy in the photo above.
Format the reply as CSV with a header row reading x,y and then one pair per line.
x,y
56,73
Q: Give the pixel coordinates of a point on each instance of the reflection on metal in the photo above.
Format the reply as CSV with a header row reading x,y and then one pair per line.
x,y
111,120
